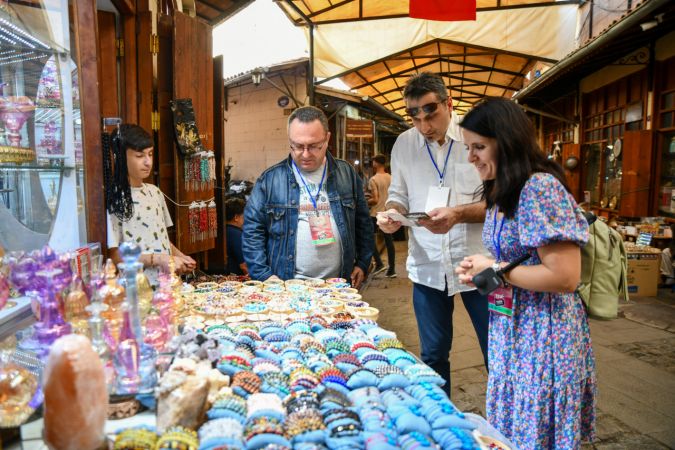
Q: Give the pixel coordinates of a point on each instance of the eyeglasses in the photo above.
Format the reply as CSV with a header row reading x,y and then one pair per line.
x,y
312,148
427,109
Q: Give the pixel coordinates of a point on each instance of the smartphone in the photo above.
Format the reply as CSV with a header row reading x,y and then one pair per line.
x,y
417,215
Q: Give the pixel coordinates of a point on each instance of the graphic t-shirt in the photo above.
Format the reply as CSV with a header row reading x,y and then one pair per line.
x,y
147,227
323,260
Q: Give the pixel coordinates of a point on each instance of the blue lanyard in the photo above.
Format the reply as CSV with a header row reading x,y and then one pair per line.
x,y
441,175
497,242
318,191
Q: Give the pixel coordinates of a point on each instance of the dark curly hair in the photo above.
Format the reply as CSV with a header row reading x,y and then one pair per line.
x,y
518,154
115,173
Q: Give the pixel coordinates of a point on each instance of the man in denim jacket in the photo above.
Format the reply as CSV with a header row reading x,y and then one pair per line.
x,y
307,215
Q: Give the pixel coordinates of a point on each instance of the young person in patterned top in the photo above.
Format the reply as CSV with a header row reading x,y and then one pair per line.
x,y
541,382
140,214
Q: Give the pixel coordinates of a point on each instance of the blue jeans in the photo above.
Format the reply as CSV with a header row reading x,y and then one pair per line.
x,y
433,311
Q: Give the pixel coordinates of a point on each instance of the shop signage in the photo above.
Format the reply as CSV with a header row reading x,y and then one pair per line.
x,y
359,128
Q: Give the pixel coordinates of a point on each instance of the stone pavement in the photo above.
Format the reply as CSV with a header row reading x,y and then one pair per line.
x,y
635,361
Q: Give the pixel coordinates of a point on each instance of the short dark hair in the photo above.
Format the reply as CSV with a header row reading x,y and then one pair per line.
x,y
380,159
308,114
234,206
518,154
421,84
133,137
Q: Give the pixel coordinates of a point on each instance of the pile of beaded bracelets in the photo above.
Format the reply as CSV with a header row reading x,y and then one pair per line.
x,y
220,432
228,405
275,383
136,439
303,378
178,438
304,422
301,400
342,422
262,431
233,363
245,383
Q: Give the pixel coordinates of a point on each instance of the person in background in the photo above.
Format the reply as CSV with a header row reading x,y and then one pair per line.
x,y
138,212
378,185
307,216
234,217
430,173
541,382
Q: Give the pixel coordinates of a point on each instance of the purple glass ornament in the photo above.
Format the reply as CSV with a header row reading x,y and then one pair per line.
x,y
51,325
4,291
22,273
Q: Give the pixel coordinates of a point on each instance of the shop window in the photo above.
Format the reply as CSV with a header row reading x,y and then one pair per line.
x,y
41,159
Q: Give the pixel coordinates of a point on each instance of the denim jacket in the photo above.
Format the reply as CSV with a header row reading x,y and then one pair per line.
x,y
271,220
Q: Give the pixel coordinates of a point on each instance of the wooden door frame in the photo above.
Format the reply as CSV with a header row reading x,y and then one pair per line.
x,y
86,35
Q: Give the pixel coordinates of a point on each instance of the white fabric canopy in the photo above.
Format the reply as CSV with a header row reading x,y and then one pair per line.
x,y
544,33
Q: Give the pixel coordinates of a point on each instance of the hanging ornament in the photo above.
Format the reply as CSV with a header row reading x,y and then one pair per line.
x,y
203,220
193,221
213,220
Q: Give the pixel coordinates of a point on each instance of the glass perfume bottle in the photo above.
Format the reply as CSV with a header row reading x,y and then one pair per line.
x,y
134,360
51,325
112,294
74,307
144,294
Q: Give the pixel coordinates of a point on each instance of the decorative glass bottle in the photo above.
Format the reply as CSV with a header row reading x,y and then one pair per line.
x,y
112,294
134,360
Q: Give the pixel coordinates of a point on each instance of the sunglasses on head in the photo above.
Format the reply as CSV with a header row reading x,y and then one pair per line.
x,y
427,109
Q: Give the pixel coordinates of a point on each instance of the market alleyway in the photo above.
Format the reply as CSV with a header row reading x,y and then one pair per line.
x,y
635,357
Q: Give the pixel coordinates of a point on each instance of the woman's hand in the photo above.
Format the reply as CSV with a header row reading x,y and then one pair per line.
x,y
471,265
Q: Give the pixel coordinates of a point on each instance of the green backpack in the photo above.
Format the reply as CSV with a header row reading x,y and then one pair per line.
x,y
603,270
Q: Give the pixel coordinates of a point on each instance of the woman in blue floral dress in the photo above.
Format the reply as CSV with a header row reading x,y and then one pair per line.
x,y
541,385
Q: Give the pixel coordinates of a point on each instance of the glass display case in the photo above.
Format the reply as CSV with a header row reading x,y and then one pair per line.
x,y
603,158
41,160
666,202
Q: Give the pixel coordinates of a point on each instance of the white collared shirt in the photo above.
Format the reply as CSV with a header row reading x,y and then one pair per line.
x,y
432,258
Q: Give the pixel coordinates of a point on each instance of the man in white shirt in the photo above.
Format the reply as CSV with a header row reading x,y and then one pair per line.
x,y
431,173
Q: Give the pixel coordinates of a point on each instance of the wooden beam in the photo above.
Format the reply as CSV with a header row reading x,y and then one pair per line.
x,y
86,30
125,7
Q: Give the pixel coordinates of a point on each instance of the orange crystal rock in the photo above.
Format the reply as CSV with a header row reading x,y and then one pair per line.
x,y
76,397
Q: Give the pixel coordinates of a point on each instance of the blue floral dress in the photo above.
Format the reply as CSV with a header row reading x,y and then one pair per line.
x,y
541,386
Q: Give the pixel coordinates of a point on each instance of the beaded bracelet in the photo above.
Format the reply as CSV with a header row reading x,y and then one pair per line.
x,y
301,400
351,429
178,438
339,414
262,425
362,344
247,380
374,356
347,358
232,402
225,427
304,421
334,396
136,439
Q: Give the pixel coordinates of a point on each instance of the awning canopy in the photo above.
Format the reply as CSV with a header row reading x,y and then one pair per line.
x,y
373,48
336,11
216,12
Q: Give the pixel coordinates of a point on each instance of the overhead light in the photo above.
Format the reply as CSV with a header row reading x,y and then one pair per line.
x,y
257,75
652,23
356,162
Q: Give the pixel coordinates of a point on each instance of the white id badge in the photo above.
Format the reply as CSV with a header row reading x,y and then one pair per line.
x,y
437,197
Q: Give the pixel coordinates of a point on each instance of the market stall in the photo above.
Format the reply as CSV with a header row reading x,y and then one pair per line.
x,y
227,364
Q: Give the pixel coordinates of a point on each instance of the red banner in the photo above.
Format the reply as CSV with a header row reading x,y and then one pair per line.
x,y
443,10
